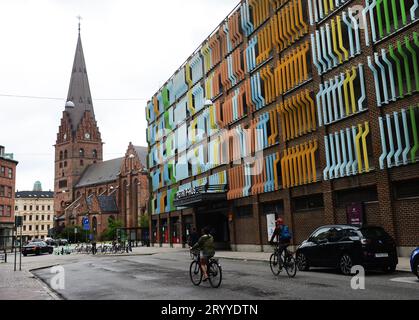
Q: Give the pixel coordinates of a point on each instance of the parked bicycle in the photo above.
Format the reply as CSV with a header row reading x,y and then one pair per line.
x,y
285,261
215,274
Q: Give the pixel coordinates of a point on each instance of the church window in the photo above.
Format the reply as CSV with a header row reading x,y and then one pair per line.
x,y
94,154
61,155
81,153
62,184
65,154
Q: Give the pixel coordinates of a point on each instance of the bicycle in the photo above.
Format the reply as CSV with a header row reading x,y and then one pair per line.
x,y
214,270
285,261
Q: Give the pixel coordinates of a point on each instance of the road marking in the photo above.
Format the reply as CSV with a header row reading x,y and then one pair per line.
x,y
406,280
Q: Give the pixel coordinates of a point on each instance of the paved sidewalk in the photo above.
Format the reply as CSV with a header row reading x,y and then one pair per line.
x,y
22,285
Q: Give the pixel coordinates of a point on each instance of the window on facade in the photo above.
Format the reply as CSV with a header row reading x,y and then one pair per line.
x,y
65,164
24,218
10,173
347,197
24,208
9,192
308,203
30,208
94,154
61,165
406,189
65,154
30,218
30,228
8,211
2,191
62,184
37,218
1,210
42,217
277,207
2,171
244,212
49,208
24,228
42,227
37,208
36,228
61,155
43,208
81,153
48,217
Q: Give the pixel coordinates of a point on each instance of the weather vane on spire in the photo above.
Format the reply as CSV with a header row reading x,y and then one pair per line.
x,y
79,18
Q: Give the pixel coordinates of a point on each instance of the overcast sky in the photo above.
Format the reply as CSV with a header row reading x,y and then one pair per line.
x,y
131,48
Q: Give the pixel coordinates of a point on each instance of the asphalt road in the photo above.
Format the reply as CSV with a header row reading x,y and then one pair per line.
x,y
166,277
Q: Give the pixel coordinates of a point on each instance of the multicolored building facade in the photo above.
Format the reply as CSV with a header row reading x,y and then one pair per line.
x,y
304,109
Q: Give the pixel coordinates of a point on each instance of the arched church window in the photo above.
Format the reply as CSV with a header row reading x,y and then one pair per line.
x,y
61,155
65,154
95,154
81,153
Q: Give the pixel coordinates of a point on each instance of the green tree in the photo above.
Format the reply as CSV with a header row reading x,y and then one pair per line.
x,y
68,233
109,233
144,221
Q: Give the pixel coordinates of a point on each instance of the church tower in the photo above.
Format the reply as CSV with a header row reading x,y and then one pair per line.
x,y
79,142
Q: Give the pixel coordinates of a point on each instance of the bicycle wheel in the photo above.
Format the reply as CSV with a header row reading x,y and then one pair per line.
x,y
195,273
215,274
290,265
275,266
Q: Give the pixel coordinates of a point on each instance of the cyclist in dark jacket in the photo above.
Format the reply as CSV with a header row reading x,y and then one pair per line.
x,y
281,236
207,250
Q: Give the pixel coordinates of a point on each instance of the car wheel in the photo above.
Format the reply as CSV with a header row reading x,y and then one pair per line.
x,y
25,254
345,264
302,262
416,267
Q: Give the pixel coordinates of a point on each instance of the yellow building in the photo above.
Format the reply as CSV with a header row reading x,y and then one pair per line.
x,y
37,209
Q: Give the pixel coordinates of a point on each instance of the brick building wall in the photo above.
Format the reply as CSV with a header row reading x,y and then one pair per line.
x,y
380,208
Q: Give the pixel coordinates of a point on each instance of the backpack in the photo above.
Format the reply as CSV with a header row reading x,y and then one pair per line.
x,y
285,233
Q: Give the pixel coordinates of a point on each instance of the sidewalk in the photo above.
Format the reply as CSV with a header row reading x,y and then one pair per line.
x,y
22,285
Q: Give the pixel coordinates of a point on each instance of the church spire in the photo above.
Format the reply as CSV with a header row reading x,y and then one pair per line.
x,y
79,90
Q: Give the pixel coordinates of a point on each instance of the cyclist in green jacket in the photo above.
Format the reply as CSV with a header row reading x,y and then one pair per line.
x,y
207,250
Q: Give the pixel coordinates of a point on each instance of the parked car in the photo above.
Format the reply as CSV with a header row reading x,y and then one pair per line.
x,y
344,246
37,248
414,262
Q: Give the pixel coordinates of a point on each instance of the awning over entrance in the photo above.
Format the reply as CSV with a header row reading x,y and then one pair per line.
x,y
200,195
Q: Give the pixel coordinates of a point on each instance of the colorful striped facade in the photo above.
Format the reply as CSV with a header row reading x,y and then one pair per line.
x,y
314,107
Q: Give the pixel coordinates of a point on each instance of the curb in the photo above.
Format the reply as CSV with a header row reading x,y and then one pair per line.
x,y
53,294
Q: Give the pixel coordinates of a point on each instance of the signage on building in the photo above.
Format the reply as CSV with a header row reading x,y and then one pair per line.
x,y
270,221
355,213
186,193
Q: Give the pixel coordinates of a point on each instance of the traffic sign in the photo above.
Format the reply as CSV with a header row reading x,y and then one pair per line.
x,y
86,224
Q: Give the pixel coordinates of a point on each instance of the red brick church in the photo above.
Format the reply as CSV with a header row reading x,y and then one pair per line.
x,y
85,185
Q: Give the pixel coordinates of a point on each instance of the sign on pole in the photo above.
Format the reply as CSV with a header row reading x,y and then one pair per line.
x,y
86,224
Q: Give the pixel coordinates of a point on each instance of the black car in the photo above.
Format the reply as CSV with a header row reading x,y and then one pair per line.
x,y
344,246
38,247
